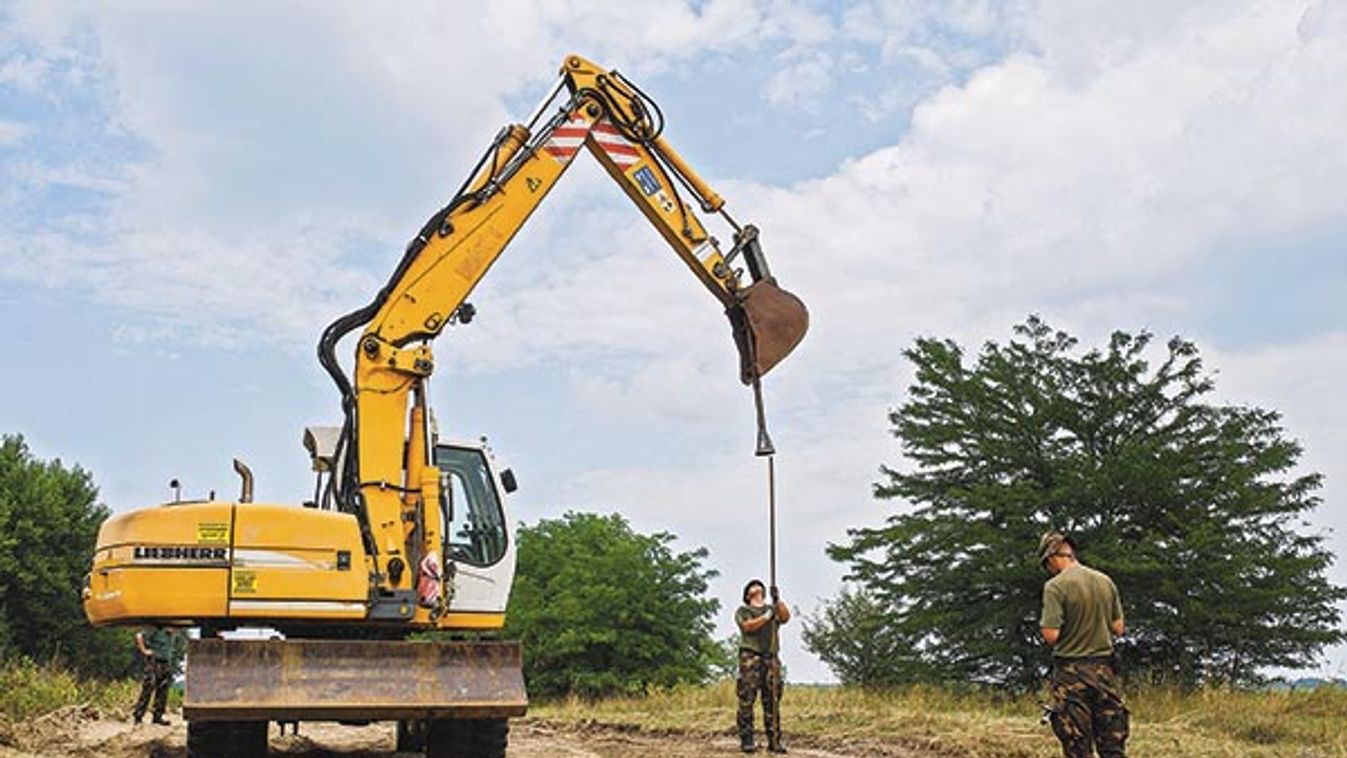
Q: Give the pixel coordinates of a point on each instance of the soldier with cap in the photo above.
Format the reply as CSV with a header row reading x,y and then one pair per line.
x,y
1082,613
759,667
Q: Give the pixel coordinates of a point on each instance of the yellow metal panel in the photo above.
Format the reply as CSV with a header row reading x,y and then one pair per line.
x,y
190,561
155,593
285,564
471,621
170,562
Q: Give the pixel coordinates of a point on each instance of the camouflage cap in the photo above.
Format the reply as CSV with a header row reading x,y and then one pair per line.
x,y
1051,543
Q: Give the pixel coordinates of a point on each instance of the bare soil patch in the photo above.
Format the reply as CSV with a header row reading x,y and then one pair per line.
x,y
83,732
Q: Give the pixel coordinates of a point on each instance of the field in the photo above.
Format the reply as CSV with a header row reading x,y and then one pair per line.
x,y
921,722
45,712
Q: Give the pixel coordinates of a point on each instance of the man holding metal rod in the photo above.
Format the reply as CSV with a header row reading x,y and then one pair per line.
x,y
759,666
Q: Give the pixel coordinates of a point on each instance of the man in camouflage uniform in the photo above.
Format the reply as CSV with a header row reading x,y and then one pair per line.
x,y
1082,613
161,650
759,667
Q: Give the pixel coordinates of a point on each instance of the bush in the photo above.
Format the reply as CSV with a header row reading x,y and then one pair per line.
x,y
602,609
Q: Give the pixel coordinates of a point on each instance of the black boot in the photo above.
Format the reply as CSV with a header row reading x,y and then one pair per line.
x,y
746,743
775,746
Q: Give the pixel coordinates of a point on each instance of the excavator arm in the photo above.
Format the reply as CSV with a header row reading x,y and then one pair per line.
x,y
387,477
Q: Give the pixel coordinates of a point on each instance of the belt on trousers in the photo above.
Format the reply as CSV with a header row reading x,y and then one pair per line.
x,y
755,652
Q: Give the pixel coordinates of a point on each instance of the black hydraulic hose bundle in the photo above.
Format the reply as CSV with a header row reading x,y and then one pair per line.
x,y
345,482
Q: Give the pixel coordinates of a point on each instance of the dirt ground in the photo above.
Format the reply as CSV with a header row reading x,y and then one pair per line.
x,y
84,733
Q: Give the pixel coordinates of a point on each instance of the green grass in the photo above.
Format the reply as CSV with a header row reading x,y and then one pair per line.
x,y
1202,724
29,690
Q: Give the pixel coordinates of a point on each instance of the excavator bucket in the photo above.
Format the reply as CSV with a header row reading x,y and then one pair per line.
x,y
352,680
768,323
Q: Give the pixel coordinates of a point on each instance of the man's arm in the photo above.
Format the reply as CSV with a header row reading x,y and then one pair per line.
x,y
751,625
1053,615
140,644
1117,626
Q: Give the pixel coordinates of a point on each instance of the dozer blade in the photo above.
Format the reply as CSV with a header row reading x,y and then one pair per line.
x,y
768,323
352,680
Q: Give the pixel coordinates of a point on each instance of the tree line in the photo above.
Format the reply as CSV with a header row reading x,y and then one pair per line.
x,y
1194,507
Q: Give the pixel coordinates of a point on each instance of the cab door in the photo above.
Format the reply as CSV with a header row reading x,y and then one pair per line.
x,y
476,537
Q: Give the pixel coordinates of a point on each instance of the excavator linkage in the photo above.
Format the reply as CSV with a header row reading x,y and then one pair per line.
x,y
768,323
356,680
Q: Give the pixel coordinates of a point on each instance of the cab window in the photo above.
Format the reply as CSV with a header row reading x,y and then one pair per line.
x,y
475,524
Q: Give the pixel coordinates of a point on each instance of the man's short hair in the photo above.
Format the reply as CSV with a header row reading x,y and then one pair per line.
x,y
749,586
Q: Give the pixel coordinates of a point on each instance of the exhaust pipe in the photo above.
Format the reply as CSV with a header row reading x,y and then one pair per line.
x,y
247,475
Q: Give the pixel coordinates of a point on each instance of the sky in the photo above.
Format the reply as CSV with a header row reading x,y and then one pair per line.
x,y
190,193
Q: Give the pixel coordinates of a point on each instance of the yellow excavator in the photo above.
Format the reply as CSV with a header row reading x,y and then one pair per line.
x,y
408,533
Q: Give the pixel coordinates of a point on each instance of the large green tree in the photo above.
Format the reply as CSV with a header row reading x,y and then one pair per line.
x,y
602,609
1195,508
49,519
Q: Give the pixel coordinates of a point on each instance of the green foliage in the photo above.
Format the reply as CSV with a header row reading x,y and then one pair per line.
x,y
1195,509
604,610
49,519
28,689
856,638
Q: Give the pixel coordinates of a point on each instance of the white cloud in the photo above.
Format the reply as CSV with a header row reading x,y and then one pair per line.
x,y
804,82
23,73
337,118
12,133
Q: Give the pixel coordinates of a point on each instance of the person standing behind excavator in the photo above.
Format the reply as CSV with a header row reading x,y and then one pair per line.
x,y
759,666
1082,613
160,650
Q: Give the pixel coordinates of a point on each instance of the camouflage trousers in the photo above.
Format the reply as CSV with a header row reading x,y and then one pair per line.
x,y
155,681
1088,710
759,675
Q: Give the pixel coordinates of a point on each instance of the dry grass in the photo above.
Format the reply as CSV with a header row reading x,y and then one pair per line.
x,y
1203,724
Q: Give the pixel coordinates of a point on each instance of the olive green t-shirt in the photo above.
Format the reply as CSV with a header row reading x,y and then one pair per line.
x,y
165,645
765,640
1083,604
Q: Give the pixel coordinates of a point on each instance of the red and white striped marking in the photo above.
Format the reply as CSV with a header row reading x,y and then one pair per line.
x,y
567,139
622,152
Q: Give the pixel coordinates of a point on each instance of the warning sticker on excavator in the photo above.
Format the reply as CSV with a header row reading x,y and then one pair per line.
x,y
245,582
212,533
